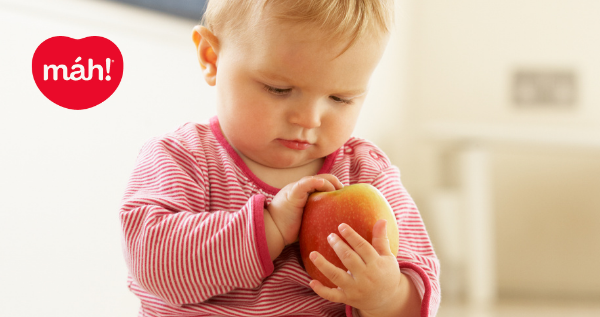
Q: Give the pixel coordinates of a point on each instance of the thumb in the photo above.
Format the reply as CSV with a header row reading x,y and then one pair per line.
x,y
381,243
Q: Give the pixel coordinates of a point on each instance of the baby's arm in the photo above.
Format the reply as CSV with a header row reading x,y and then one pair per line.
x,y
274,237
177,245
416,257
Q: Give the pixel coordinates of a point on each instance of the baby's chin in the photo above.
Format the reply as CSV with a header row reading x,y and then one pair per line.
x,y
287,164
289,161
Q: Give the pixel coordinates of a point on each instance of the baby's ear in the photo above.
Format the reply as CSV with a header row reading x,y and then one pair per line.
x,y
196,35
207,49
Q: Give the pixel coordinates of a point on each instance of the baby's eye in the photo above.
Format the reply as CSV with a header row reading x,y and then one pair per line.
x,y
340,100
277,91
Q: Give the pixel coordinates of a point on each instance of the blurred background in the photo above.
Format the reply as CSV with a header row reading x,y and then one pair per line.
x,y
491,109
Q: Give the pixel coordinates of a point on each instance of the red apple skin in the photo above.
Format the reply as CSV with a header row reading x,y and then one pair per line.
x,y
359,206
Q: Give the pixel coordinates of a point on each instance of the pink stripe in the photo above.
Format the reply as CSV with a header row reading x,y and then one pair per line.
x,y
425,301
261,237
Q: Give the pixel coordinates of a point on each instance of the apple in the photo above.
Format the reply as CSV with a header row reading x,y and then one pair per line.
x,y
359,206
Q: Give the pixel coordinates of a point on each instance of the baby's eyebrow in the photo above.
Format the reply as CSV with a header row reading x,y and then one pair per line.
x,y
354,93
273,76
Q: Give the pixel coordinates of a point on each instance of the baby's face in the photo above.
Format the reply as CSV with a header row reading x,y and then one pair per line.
x,y
285,99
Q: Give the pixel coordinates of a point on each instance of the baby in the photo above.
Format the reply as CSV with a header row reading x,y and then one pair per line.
x,y
211,213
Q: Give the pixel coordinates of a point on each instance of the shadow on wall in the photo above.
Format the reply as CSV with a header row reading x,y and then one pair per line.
x,y
192,9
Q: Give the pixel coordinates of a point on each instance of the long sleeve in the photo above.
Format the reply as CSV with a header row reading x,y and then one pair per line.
x,y
416,257
175,246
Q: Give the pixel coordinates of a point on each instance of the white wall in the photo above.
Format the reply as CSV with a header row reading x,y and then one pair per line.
x,y
462,55
384,111
64,172
465,51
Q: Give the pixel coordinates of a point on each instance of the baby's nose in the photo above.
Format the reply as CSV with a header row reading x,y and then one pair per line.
x,y
307,116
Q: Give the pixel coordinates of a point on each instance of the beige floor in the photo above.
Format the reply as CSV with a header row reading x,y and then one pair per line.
x,y
523,309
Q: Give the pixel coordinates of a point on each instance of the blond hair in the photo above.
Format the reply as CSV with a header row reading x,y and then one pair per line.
x,y
339,19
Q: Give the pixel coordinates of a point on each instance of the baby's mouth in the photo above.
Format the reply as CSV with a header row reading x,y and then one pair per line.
x,y
295,144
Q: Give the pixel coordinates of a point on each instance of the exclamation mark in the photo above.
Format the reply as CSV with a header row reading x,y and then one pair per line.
x,y
107,69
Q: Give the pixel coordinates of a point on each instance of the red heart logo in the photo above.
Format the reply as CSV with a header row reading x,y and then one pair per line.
x,y
77,74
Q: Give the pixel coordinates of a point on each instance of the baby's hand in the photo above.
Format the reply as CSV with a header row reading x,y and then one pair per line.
x,y
288,205
372,283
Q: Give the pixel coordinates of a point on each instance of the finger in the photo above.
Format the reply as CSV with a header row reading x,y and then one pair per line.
x,y
362,247
300,190
327,185
336,275
381,243
351,260
333,180
335,295
309,184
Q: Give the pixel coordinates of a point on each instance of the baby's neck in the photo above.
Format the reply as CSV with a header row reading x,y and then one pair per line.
x,y
278,177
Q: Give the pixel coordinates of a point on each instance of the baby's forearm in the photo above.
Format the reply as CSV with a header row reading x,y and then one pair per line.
x,y
274,238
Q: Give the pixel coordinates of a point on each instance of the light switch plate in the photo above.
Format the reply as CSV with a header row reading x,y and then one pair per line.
x,y
551,88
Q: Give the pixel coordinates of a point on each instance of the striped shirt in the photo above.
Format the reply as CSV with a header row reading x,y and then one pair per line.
x,y
194,236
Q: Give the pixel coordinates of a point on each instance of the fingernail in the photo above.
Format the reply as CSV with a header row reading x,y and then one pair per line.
x,y
342,227
313,255
331,237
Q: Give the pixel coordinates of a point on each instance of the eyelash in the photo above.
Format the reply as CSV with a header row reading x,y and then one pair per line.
x,y
281,92
276,91
340,100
